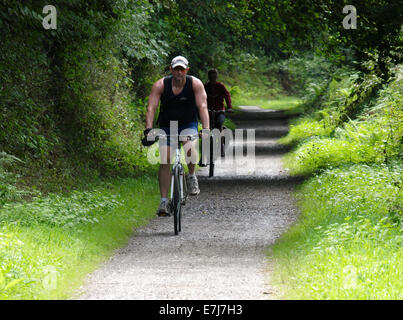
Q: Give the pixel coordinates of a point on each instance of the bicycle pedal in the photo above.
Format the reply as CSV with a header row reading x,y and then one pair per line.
x,y
163,214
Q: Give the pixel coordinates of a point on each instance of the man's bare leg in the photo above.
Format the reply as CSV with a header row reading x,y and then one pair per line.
x,y
164,174
191,159
192,155
164,178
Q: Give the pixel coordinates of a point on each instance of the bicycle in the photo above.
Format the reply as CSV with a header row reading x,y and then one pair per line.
x,y
211,164
179,191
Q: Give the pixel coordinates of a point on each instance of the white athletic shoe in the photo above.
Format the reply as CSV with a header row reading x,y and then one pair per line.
x,y
193,185
164,210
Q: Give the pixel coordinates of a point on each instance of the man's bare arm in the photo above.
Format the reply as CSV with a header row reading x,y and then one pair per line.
x,y
227,97
201,102
153,102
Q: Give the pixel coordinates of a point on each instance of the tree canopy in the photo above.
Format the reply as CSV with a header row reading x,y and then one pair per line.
x,y
65,89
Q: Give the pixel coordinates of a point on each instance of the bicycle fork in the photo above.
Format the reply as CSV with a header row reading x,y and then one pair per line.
x,y
181,182
181,173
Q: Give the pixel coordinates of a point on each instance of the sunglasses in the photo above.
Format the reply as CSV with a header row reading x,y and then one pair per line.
x,y
179,69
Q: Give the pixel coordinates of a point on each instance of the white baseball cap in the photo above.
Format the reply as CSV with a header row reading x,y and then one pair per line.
x,y
180,61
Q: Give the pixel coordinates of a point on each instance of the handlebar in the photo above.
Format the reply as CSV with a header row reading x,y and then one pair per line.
x,y
215,111
153,137
179,137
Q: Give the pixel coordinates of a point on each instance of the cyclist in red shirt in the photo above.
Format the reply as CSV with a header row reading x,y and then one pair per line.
x,y
216,93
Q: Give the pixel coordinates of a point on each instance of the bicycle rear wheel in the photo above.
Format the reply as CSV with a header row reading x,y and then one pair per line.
x,y
176,201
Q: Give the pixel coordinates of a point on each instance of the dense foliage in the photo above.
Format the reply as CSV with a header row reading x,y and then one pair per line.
x,y
374,135
79,90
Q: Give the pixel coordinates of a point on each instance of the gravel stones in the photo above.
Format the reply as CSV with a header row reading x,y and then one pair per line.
x,y
221,252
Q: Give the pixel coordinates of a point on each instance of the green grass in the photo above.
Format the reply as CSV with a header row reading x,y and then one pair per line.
x,y
280,103
257,90
305,128
347,243
376,140
48,245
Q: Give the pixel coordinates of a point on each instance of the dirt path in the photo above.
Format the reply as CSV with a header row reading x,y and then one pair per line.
x,y
221,252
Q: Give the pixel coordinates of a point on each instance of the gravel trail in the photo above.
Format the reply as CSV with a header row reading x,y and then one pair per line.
x,y
226,229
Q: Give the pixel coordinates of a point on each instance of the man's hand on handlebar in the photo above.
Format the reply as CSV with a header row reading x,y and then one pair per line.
x,y
145,142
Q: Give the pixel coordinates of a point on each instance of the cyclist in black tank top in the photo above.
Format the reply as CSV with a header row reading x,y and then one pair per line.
x,y
181,107
182,98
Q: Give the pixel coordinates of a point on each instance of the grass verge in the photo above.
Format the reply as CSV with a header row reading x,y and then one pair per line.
x,y
347,242
49,244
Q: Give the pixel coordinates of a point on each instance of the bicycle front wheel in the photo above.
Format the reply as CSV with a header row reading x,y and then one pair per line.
x,y
184,188
211,165
176,201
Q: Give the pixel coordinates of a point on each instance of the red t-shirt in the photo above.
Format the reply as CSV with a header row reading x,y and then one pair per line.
x,y
216,93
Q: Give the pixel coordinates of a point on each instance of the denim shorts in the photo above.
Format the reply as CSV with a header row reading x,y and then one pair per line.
x,y
188,129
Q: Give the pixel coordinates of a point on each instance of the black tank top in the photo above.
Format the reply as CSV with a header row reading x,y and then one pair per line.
x,y
181,108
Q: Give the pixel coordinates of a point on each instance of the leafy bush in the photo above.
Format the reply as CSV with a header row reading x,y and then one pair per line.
x,y
8,191
321,108
70,92
320,153
103,124
26,123
250,78
374,137
299,72
305,128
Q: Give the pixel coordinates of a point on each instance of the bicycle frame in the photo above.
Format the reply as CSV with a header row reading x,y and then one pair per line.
x,y
181,171
213,140
177,162
178,193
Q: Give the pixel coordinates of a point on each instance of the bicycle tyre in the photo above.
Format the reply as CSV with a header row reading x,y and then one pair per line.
x,y
185,189
183,198
211,165
176,201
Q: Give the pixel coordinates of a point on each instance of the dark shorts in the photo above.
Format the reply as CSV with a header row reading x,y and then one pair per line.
x,y
219,120
188,129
